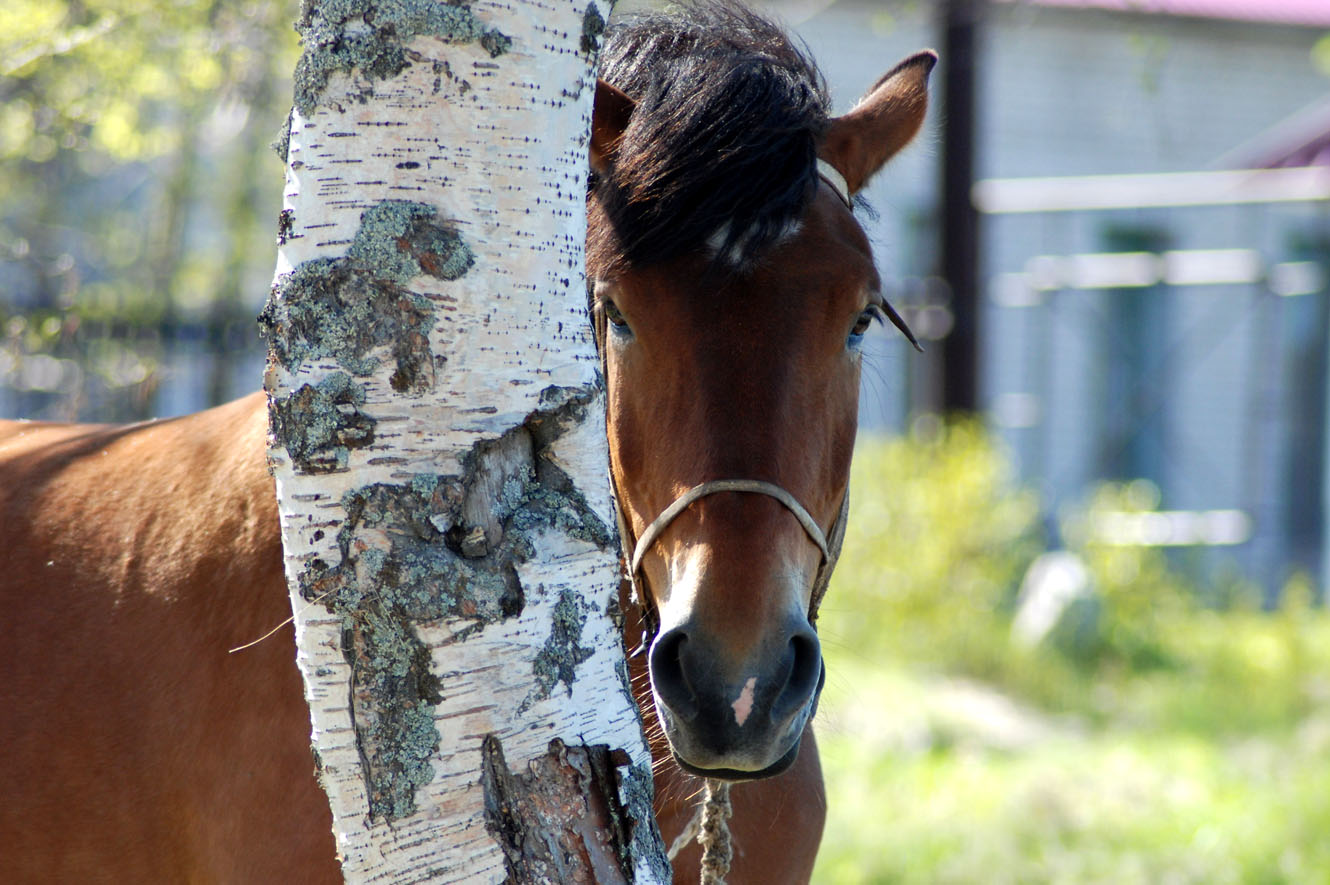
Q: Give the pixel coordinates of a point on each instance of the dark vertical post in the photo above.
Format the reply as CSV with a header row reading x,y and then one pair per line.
x,y
960,224
1307,329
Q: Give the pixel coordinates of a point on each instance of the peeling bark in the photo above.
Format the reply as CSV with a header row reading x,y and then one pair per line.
x,y
438,443
561,820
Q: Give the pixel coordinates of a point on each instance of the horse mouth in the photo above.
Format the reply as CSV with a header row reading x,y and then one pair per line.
x,y
736,774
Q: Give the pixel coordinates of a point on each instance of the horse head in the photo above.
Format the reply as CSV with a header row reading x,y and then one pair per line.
x,y
731,289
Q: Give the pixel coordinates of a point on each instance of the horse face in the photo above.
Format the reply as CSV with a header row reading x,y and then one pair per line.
x,y
747,374
755,377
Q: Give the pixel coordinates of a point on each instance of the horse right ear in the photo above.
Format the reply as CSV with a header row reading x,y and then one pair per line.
x,y
609,120
885,120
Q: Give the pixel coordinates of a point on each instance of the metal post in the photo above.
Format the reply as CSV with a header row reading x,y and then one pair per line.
x,y
959,247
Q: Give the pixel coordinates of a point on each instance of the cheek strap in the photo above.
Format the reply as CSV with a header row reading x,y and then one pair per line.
x,y
834,180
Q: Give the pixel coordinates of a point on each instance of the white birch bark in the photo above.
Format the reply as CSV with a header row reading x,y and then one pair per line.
x,y
439,443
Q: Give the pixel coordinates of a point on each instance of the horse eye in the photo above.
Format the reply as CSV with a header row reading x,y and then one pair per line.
x,y
614,315
862,323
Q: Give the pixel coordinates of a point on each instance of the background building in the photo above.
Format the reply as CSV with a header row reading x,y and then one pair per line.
x,y
1170,328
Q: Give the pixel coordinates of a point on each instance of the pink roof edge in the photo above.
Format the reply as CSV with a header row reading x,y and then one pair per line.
x,y
1312,13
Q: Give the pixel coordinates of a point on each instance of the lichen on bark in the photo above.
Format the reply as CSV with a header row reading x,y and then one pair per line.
x,y
558,659
370,36
318,424
346,308
593,25
402,240
405,559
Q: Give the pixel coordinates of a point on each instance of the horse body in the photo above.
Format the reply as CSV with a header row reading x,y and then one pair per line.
x,y
136,749
731,285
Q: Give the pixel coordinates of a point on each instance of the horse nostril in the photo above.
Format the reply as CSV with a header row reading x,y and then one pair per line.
x,y
805,675
667,676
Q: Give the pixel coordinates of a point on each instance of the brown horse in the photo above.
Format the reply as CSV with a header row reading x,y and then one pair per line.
x,y
731,284
732,287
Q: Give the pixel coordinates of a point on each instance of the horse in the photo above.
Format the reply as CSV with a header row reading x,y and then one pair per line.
x,y
730,287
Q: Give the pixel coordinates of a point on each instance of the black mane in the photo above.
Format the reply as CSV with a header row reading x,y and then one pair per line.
x,y
729,115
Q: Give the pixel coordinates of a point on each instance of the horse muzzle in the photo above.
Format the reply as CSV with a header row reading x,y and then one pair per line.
x,y
743,720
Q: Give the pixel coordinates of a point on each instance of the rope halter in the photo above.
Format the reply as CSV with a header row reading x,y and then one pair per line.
x,y
831,176
829,546
715,486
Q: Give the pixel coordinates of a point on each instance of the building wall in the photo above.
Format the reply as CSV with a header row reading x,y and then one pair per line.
x,y
1085,92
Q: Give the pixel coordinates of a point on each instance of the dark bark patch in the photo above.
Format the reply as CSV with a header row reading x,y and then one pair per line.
x,y
563,819
401,240
281,145
285,221
339,309
396,739
495,43
345,308
445,547
593,25
558,660
319,424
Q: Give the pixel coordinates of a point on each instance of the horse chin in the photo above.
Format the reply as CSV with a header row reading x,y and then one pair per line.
x,y
735,774
783,762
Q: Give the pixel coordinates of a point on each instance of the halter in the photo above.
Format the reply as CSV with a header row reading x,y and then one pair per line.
x,y
834,180
830,546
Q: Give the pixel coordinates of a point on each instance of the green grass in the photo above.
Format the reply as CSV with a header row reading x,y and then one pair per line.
x,y
919,792
1184,737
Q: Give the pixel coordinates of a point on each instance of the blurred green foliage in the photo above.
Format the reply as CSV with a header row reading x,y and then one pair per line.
x,y
123,79
1184,737
139,191
938,537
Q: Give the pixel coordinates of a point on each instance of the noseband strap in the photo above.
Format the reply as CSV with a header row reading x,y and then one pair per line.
x,y
660,523
829,546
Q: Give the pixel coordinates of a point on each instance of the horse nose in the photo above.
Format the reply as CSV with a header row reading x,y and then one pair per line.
x,y
805,674
688,677
671,685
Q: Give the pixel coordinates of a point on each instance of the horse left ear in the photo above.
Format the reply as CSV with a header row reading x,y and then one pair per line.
x,y
884,121
609,120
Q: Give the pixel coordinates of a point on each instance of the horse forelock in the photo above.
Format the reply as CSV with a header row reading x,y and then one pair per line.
x,y
722,145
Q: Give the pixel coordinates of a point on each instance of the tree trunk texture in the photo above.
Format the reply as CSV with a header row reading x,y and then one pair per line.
x,y
439,448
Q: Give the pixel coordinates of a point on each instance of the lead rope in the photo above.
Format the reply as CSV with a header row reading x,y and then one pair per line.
x,y
711,828
715,835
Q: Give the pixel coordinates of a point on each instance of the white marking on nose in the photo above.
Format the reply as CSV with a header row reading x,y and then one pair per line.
x,y
743,705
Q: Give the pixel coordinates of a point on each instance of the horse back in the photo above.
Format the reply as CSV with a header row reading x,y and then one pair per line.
x,y
136,748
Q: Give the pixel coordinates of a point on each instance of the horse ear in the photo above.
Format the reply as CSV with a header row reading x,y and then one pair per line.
x,y
609,119
884,121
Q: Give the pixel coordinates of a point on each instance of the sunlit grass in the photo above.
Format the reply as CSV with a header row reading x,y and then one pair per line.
x,y
919,795
1177,742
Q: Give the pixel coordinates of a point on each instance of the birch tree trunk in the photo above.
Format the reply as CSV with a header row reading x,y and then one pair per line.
x,y
439,448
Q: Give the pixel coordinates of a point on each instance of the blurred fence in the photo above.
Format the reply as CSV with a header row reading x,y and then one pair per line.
x,y
59,368
1172,328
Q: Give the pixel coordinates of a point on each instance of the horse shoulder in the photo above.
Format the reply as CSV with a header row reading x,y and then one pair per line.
x,y
132,558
